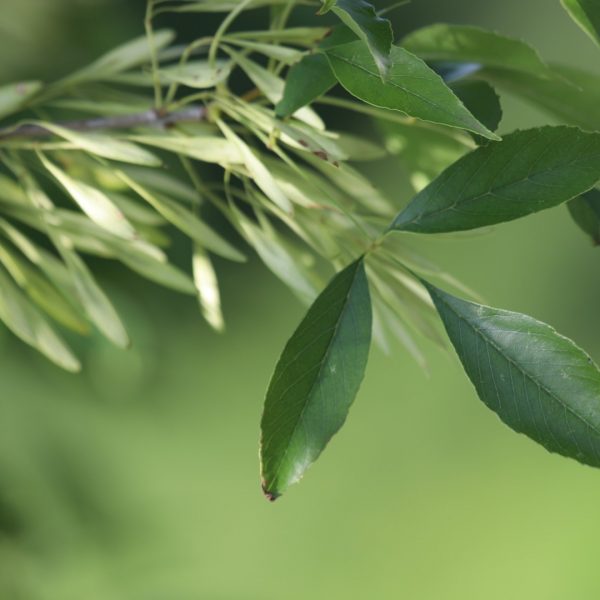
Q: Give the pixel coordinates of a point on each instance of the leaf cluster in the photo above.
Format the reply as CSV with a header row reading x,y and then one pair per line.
x,y
160,119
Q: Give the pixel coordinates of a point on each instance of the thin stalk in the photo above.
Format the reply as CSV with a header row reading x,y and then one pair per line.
x,y
158,98
227,21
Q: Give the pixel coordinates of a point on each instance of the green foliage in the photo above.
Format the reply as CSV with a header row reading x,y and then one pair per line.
x,y
264,169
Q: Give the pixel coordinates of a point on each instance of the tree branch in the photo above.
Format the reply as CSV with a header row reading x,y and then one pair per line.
x,y
154,118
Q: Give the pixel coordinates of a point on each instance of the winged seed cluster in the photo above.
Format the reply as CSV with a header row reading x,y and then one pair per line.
x,y
149,122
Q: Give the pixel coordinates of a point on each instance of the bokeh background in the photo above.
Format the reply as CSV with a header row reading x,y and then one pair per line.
x,y
139,478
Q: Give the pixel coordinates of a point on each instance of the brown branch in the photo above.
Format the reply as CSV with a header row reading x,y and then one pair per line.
x,y
153,118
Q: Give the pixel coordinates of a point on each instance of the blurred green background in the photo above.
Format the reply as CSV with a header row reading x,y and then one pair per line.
x,y
139,478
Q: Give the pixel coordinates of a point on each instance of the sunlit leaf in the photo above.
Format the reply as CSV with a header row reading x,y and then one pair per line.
x,y
207,286
104,145
188,222
259,173
92,201
206,148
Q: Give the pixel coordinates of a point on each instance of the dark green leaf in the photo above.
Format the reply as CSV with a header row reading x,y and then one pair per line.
x,y
305,82
537,381
481,100
316,380
463,43
586,13
527,172
360,17
585,211
411,87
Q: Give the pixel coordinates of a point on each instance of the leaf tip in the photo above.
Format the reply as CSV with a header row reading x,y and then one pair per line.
x,y
271,496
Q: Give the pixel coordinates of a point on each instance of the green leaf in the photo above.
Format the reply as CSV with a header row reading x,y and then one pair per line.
x,y
259,173
41,290
411,87
573,96
162,273
585,211
537,381
284,54
375,31
463,43
586,13
104,145
95,302
527,172
202,6
196,74
206,148
302,36
481,100
310,78
124,57
316,380
185,220
94,203
207,286
26,322
14,95
279,257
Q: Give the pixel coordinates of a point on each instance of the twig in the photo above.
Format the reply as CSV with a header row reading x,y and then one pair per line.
x,y
154,118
